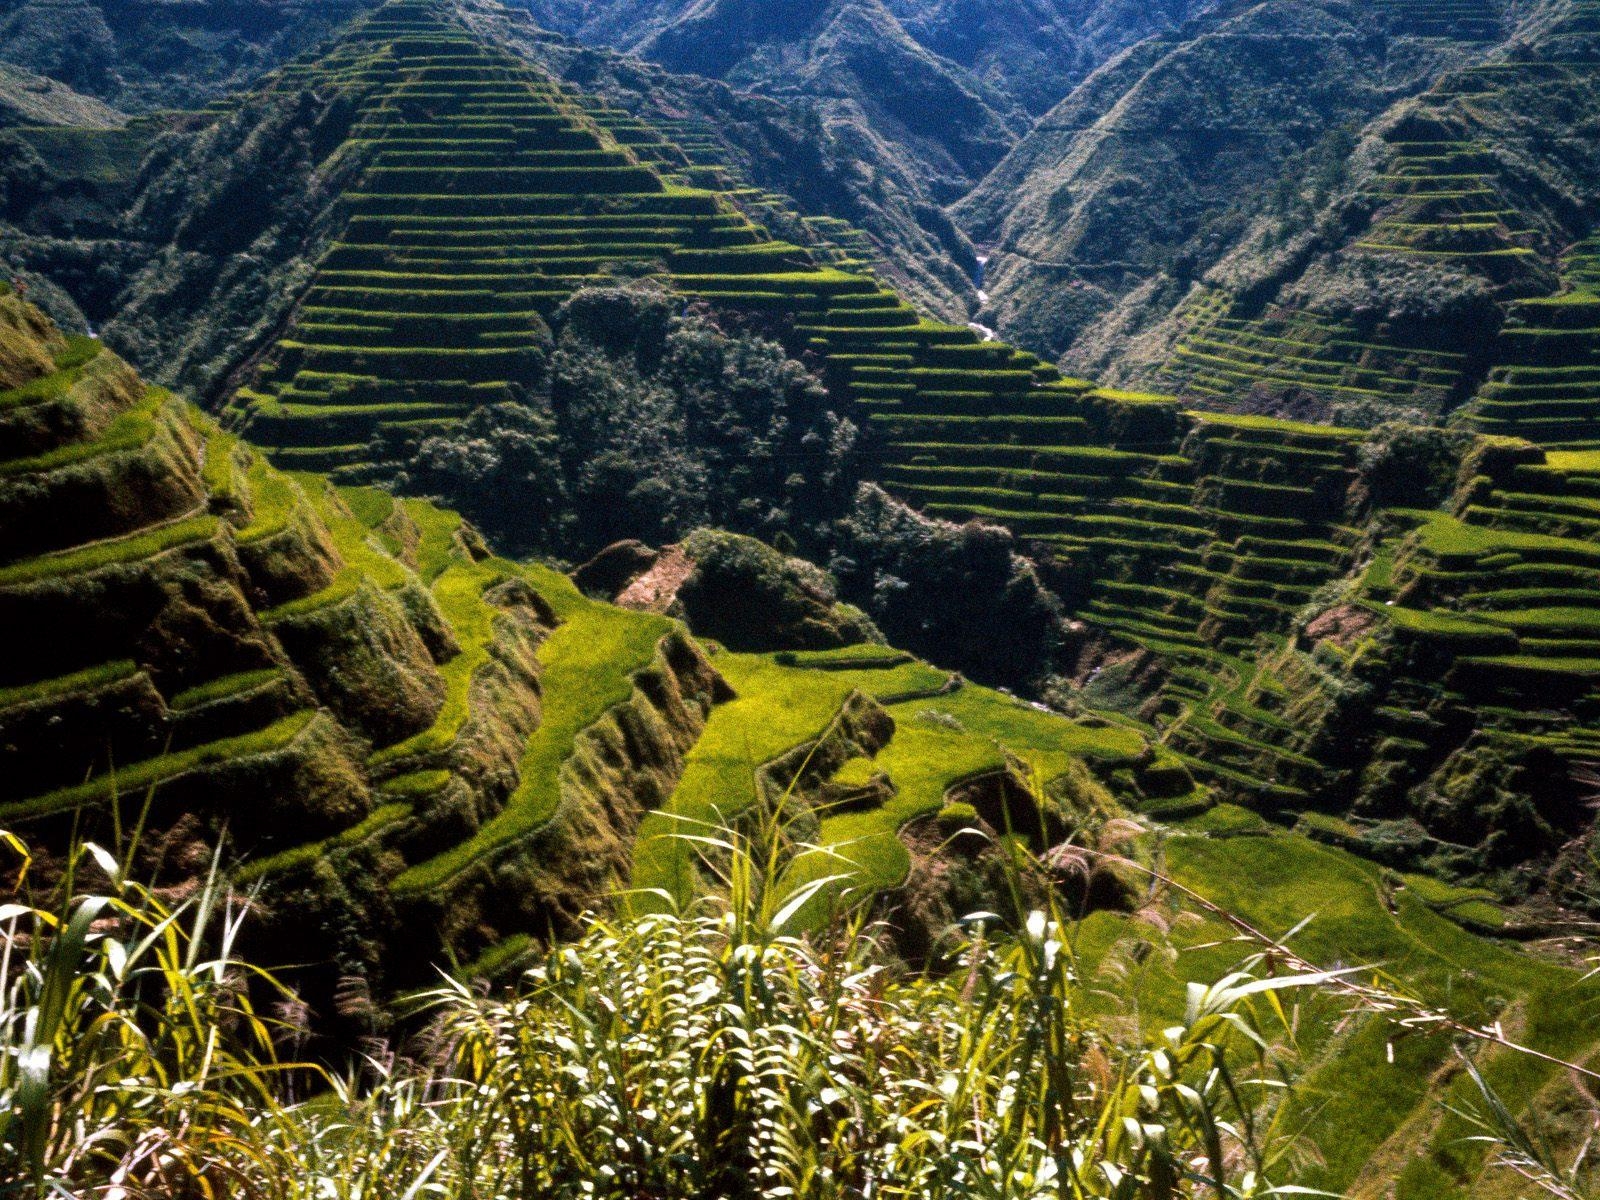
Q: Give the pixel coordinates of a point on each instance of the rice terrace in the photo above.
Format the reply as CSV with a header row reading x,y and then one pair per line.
x,y
830,599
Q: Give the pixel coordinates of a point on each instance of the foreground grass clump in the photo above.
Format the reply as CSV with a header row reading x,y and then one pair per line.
x,y
697,1055
712,1054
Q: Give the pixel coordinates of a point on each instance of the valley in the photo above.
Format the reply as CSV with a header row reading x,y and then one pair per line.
x,y
1283,622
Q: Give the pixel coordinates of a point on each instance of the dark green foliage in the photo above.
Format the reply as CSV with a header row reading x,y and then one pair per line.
x,y
962,594
502,468
1412,466
651,422
753,599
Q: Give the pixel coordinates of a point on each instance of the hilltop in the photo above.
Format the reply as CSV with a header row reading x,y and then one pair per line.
x,y
1032,52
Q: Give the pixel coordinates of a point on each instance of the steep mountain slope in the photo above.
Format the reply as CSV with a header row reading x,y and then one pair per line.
x,y
147,54
1031,51
415,749
1189,541
1449,254
185,238
1202,554
240,645
855,63
1037,51
1158,162
850,188
423,749
29,99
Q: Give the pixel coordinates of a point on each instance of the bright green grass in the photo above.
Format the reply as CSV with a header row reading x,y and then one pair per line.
x,y
380,819
274,499
589,663
67,685
355,544
1352,1097
221,688
129,430
937,744
1577,462
459,594
439,527
152,772
418,783
132,549
777,709
1446,537
858,772
371,506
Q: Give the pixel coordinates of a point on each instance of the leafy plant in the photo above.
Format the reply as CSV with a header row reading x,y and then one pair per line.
x,y
131,1057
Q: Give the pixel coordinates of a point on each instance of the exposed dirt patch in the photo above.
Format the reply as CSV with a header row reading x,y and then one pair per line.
x,y
614,568
657,589
1343,625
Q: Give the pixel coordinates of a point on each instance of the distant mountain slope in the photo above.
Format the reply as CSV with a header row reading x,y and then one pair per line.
x,y
1446,258
855,62
29,99
1030,51
1036,51
146,54
834,171
1158,161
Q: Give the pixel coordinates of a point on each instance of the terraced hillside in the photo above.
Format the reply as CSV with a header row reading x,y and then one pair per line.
x,y
420,748
1205,546
1223,355
349,686
1462,226
488,196
1155,172
398,730
1544,384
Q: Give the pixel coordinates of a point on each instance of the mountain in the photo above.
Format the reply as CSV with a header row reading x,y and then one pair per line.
x,y
1452,248
419,750
1036,51
500,335
306,675
1030,51
855,63
140,55
1300,668
803,177
1156,162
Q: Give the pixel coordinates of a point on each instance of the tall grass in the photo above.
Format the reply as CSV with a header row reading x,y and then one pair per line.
x,y
693,1055
132,1062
